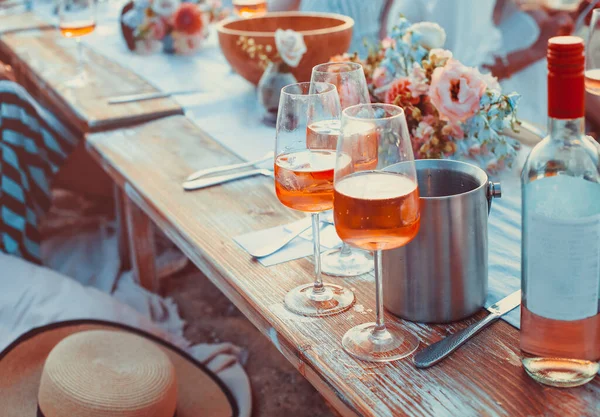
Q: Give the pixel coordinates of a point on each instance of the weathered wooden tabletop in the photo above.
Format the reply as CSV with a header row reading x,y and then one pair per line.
x,y
13,22
44,61
484,378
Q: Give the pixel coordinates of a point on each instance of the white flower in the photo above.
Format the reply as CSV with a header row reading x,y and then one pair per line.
x,y
431,35
165,8
290,45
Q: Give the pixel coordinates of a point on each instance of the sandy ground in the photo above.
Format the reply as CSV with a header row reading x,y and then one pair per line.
x,y
279,390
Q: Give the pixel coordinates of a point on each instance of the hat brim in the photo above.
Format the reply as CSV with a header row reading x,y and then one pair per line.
x,y
199,391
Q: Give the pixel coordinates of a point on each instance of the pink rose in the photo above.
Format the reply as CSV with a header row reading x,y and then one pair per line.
x,y
158,29
418,81
456,91
380,77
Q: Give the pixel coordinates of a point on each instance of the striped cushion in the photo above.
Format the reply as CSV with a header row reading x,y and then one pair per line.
x,y
33,146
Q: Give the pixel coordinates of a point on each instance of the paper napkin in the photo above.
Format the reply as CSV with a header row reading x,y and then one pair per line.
x,y
300,247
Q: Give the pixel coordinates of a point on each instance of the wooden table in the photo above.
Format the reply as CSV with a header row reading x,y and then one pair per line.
x,y
485,378
43,61
148,163
22,21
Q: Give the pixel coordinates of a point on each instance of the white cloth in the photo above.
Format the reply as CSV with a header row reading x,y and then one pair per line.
x,y
33,296
88,254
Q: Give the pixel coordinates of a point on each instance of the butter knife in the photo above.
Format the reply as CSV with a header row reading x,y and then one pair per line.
x,y
224,168
221,179
148,96
436,352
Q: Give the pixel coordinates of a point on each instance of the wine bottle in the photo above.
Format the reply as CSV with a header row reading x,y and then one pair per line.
x,y
560,320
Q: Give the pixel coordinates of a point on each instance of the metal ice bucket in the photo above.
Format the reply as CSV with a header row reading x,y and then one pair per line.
x,y
442,275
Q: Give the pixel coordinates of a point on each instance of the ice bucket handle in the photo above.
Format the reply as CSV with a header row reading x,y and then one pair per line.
x,y
494,190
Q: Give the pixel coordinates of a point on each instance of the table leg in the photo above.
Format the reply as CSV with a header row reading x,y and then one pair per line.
x,y
122,232
141,245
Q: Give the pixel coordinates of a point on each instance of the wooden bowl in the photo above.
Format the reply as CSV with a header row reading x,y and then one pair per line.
x,y
325,35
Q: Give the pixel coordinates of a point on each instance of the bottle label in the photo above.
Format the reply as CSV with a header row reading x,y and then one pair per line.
x,y
563,266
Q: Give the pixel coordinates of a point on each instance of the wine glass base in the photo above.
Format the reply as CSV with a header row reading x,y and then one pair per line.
x,y
356,263
333,300
368,344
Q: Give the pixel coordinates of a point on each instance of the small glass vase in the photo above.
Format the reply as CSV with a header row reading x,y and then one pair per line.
x,y
276,76
168,45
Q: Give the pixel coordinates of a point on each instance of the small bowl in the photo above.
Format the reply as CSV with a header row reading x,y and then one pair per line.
x,y
325,35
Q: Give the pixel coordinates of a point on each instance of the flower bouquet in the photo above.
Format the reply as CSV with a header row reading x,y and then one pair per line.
x,y
452,111
172,26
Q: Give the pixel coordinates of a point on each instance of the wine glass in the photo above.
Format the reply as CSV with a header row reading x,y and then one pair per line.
x,y
376,207
250,8
77,18
592,55
304,182
349,79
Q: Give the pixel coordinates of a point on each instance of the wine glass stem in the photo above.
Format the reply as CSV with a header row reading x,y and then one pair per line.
x,y
316,226
380,325
346,250
79,56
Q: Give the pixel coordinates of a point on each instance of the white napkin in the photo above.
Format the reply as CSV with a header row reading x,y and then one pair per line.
x,y
298,248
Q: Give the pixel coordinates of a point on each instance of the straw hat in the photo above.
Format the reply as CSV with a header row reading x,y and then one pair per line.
x,y
89,368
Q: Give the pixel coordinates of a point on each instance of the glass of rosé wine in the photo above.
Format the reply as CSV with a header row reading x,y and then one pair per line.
x,y
77,18
250,8
349,79
304,182
376,208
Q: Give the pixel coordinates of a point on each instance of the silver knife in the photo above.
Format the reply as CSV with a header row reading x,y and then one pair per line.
x,y
224,168
433,354
221,179
148,96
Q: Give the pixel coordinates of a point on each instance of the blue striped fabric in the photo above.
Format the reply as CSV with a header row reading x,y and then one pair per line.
x,y
33,145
